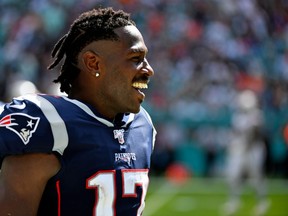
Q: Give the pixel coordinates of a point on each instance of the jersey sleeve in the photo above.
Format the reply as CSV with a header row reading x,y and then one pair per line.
x,y
31,124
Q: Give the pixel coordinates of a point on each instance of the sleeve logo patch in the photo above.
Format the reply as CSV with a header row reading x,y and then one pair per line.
x,y
22,124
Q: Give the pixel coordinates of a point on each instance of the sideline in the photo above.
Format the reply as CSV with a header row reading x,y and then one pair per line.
x,y
156,200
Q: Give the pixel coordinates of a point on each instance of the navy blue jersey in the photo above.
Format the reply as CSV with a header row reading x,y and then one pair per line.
x,y
105,164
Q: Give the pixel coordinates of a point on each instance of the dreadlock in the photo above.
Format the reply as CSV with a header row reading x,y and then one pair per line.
x,y
97,24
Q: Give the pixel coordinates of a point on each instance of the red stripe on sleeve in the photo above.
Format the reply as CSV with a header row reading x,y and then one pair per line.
x,y
59,197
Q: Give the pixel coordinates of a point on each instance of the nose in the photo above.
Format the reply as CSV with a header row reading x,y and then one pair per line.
x,y
147,68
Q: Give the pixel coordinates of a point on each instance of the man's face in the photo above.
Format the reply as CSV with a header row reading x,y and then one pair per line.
x,y
124,71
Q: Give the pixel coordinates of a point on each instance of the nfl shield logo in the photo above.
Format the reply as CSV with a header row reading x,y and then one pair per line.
x,y
119,134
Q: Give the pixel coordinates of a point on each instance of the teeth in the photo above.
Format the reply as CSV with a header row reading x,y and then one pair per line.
x,y
140,85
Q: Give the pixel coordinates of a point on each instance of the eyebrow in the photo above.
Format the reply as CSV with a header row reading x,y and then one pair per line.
x,y
138,50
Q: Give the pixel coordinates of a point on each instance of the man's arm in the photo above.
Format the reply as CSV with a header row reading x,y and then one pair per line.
x,y
22,182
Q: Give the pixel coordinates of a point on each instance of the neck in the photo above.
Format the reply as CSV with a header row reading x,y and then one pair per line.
x,y
98,105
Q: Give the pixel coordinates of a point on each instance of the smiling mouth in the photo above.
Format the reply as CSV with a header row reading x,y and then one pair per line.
x,y
139,85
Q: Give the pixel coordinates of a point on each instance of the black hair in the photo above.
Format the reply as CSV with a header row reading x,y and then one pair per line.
x,y
97,24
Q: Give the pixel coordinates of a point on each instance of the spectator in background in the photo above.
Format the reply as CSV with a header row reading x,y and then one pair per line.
x,y
246,153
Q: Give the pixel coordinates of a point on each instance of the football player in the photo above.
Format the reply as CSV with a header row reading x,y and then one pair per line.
x,y
88,153
246,154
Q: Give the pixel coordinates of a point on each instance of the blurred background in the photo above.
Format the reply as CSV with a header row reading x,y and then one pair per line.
x,y
205,54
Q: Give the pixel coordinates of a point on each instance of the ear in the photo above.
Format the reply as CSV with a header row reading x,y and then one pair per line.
x,y
91,61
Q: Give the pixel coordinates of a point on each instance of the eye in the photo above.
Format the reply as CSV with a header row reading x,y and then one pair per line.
x,y
137,59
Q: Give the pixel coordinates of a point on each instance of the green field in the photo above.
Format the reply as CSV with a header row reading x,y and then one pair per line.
x,y
206,197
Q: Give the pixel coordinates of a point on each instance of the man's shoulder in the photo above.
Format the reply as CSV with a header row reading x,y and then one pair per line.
x,y
144,115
